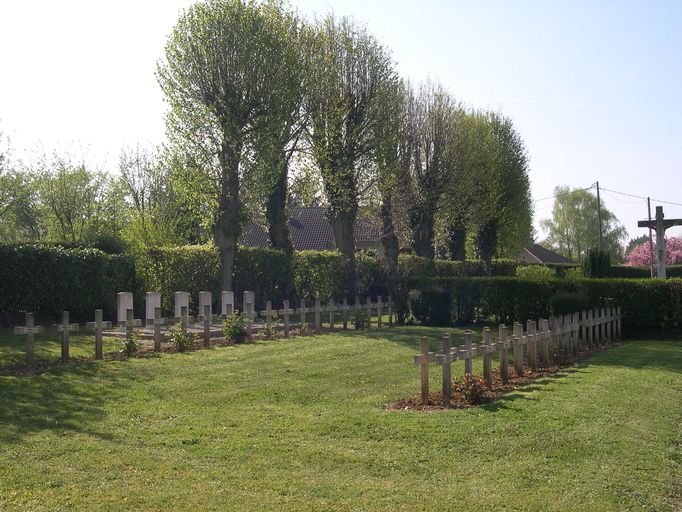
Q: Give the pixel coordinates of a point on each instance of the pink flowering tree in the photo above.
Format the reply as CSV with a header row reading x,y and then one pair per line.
x,y
641,255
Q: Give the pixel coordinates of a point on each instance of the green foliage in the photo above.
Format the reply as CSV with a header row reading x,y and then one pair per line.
x,y
574,226
648,305
630,272
535,272
360,319
318,272
265,271
472,389
411,265
47,280
234,327
597,263
180,339
167,270
576,273
131,345
566,303
430,306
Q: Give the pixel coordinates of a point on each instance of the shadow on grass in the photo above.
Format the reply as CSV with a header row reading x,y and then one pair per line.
x,y
60,400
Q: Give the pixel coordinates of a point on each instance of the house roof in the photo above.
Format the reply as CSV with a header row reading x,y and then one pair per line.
x,y
537,254
310,230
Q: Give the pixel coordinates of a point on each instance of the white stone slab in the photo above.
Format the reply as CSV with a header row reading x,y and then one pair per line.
x,y
181,299
124,301
152,301
205,299
227,302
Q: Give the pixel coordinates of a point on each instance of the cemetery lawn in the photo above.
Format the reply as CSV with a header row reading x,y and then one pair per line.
x,y
300,425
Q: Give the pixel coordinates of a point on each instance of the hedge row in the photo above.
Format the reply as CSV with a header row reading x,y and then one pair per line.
x,y
640,272
648,305
410,265
49,279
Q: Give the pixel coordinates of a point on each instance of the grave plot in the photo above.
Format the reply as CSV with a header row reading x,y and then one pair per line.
x,y
128,336
537,352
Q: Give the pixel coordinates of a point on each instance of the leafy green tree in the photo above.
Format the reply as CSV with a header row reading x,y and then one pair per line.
x,y
573,228
74,202
156,214
226,74
349,85
427,158
493,193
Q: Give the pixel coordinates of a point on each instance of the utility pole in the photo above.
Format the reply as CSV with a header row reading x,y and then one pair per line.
x,y
651,240
599,214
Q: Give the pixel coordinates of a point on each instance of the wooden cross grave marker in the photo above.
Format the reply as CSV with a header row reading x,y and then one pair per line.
x,y
158,322
268,313
380,311
344,308
487,347
532,352
518,340
285,312
30,329
423,359
445,358
65,328
368,307
331,309
207,325
466,353
98,327
318,315
502,346
389,306
303,310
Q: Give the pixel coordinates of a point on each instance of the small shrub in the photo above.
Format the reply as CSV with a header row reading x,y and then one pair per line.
x,y
360,319
269,333
132,345
574,273
472,389
234,326
535,272
180,339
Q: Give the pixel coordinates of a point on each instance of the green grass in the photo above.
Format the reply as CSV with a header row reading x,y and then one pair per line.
x,y
48,346
300,425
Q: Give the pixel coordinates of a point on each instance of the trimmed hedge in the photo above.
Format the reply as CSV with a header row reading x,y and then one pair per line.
x,y
642,272
48,279
648,305
411,265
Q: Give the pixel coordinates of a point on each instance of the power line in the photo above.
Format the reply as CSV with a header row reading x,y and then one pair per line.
x,y
565,193
641,197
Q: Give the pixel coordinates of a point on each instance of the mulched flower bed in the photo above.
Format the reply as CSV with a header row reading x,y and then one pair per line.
x,y
457,401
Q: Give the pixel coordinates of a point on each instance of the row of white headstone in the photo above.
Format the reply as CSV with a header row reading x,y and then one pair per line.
x,y
564,334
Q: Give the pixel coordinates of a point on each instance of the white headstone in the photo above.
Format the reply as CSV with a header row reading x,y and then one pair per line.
x,y
181,299
152,301
124,302
249,301
227,302
205,299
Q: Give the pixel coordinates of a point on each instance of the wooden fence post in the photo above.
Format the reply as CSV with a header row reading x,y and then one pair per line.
x,y
423,359
207,325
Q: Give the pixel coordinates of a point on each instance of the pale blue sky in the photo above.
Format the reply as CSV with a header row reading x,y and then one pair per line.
x,y
593,87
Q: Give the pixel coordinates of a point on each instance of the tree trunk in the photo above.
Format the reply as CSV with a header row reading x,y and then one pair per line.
x,y
388,239
422,233
486,241
275,212
457,240
342,226
227,226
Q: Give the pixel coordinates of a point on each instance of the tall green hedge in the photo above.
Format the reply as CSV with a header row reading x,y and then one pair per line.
x,y
411,265
642,272
49,279
649,306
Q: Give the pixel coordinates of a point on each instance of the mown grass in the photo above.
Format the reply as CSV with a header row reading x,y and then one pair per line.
x,y
301,425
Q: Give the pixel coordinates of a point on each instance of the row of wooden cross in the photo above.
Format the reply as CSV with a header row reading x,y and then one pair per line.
x,y
564,334
205,320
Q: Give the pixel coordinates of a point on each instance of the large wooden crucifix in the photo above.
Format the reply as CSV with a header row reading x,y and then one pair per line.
x,y
660,226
